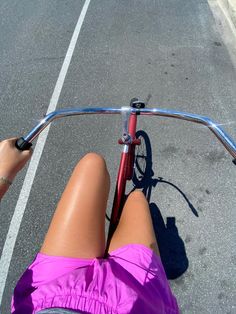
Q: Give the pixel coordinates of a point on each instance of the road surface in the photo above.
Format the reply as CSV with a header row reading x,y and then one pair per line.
x,y
172,53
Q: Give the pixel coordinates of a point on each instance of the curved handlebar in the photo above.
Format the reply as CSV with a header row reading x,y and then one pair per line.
x,y
223,137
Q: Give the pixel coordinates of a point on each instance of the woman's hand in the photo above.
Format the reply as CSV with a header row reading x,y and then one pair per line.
x,y
12,160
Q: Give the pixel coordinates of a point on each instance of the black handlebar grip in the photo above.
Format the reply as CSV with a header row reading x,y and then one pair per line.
x,y
234,161
21,144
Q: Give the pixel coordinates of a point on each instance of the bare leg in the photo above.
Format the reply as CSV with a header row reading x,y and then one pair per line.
x,y
77,228
135,226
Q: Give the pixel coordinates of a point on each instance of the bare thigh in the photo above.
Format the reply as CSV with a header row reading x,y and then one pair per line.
x,y
135,226
77,228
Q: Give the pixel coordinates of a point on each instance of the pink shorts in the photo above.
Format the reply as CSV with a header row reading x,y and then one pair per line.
x,y
130,280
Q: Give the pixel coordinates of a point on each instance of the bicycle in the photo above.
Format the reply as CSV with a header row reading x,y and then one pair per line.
x,y
129,140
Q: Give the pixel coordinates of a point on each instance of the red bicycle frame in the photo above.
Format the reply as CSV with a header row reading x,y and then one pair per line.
x,y
125,173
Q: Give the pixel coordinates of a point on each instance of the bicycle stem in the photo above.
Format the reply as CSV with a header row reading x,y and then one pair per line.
x,y
222,136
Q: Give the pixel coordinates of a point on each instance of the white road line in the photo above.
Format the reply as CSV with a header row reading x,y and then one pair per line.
x,y
222,5
227,16
29,179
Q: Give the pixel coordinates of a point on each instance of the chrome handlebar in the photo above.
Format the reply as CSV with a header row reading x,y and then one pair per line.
x,y
222,136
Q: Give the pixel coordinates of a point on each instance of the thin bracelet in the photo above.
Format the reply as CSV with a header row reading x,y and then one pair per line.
x,y
4,180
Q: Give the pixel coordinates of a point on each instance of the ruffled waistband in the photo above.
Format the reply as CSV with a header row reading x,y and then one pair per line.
x,y
85,304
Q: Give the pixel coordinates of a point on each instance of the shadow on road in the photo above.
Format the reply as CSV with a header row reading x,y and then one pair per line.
x,y
171,246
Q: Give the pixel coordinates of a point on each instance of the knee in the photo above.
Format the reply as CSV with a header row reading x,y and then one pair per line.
x,y
137,195
94,161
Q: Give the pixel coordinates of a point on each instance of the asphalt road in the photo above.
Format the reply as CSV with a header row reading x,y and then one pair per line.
x,y
170,52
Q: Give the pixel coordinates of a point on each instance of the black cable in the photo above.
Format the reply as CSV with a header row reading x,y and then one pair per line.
x,y
109,219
